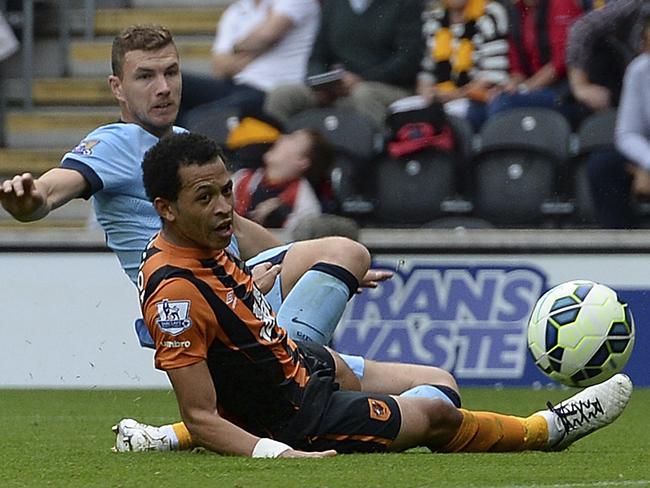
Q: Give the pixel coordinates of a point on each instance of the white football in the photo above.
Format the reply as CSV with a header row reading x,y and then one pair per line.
x,y
580,333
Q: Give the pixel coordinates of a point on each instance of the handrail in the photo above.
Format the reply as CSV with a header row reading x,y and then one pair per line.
x,y
64,33
3,97
27,47
89,12
27,52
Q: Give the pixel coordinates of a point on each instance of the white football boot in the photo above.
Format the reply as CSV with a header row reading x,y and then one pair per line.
x,y
589,410
131,435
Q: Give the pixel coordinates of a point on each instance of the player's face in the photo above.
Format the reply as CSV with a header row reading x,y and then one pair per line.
x,y
203,209
150,89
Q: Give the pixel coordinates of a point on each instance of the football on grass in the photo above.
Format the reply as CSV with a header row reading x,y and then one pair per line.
x,y
580,333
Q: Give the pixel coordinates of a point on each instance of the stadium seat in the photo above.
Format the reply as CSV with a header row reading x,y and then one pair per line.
x,y
356,141
596,132
427,185
215,124
412,189
516,169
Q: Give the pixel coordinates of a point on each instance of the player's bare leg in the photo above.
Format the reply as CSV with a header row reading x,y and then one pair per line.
x,y
396,378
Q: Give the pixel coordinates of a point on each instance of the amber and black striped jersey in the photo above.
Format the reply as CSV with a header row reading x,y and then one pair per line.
x,y
202,305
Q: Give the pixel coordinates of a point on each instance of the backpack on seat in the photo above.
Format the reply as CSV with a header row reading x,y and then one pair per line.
x,y
416,124
418,171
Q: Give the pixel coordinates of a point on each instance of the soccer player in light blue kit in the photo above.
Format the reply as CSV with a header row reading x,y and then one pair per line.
x,y
316,278
146,81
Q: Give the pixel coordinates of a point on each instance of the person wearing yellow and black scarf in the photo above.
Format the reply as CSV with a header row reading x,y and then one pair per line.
x,y
466,56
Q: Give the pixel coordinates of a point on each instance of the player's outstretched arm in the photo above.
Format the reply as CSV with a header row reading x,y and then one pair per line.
x,y
252,238
197,402
302,454
28,199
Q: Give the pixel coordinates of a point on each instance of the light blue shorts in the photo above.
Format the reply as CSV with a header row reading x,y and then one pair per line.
x,y
275,255
356,363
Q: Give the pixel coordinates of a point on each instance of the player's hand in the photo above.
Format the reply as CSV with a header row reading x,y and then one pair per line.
x,y
264,275
373,277
302,454
19,195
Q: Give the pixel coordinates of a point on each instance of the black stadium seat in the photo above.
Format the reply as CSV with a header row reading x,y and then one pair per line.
x,y
215,124
522,152
426,185
412,189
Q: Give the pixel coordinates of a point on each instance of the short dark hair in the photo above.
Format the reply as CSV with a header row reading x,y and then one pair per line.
x,y
321,157
161,163
148,37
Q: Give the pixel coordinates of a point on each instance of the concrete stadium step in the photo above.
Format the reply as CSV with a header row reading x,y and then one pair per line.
x,y
92,58
72,91
35,161
54,128
194,20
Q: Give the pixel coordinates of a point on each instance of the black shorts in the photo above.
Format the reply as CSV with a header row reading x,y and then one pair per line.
x,y
330,418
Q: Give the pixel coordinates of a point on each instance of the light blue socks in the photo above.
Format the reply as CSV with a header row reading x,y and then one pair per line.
x,y
314,306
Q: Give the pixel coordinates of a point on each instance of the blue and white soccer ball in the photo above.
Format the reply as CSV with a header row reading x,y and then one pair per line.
x,y
580,333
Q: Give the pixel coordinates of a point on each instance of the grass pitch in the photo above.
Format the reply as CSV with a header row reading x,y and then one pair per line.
x,y
63,438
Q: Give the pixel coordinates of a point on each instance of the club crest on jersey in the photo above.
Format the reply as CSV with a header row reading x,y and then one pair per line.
x,y
173,316
85,148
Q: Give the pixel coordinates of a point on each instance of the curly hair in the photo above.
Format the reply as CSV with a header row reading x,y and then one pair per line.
x,y
161,163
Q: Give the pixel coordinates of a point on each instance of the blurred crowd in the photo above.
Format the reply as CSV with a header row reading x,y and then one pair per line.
x,y
475,59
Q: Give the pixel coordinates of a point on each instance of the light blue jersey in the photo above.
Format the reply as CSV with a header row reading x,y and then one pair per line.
x,y
110,159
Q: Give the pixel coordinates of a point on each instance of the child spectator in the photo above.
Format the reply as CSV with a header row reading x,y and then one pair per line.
x,y
280,193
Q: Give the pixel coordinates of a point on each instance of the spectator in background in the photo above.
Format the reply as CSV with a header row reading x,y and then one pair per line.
x,y
599,48
377,45
280,193
466,57
538,34
259,44
633,122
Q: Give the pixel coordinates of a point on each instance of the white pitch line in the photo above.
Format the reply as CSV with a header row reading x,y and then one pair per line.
x,y
587,485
